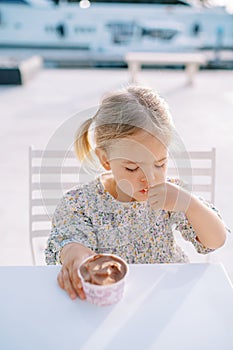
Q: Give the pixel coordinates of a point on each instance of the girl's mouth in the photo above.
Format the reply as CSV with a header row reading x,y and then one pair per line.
x,y
144,191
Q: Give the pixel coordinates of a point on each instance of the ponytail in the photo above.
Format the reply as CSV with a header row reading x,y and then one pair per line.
x,y
82,145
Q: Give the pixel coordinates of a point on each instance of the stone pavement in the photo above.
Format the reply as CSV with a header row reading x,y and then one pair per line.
x,y
30,115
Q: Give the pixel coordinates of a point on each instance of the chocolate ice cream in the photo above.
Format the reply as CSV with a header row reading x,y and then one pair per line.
x,y
103,270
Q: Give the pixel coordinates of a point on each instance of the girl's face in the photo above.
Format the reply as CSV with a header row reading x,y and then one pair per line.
x,y
136,162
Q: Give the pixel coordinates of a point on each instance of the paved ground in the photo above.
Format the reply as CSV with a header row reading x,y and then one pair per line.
x,y
30,114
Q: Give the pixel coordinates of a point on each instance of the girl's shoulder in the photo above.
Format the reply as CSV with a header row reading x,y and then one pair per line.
x,y
83,189
89,196
89,192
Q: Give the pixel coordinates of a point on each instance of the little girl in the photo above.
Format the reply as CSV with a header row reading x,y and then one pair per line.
x,y
131,208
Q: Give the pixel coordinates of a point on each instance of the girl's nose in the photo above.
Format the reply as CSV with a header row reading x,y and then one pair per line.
x,y
152,178
148,179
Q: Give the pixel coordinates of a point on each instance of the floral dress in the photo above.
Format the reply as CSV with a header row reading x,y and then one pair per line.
x,y
89,215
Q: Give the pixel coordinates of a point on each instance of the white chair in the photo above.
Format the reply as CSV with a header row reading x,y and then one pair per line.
x,y
52,173
199,167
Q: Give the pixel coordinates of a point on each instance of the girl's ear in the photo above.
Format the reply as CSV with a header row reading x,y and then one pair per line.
x,y
103,158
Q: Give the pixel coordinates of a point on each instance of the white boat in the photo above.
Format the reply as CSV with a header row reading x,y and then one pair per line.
x,y
108,28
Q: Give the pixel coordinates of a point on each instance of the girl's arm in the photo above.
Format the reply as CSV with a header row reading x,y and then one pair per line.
x,y
209,228
72,239
71,256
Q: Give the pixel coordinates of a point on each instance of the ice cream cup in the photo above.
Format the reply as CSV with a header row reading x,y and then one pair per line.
x,y
104,295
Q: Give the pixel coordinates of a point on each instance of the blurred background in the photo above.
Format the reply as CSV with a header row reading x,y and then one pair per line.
x,y
58,58
97,33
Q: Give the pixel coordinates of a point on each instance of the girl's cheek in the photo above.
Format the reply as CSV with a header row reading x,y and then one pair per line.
x,y
126,186
161,175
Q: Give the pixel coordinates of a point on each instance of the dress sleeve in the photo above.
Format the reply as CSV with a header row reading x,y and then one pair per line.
x,y
70,223
180,223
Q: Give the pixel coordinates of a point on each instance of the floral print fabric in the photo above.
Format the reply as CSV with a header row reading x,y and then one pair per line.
x,y
89,215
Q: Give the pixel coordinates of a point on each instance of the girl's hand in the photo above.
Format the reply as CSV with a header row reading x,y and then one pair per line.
x,y
209,228
72,256
169,197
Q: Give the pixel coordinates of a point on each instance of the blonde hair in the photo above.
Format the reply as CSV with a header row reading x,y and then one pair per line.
x,y
122,113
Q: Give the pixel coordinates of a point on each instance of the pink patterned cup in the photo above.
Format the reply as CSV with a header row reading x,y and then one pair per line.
x,y
106,294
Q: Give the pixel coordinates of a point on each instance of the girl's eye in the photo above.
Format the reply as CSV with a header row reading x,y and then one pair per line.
x,y
160,166
131,170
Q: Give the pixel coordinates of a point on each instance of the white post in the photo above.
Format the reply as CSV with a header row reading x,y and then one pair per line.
x,y
134,67
191,70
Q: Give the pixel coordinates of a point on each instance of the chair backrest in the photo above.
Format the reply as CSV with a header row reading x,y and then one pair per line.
x,y
198,168
53,172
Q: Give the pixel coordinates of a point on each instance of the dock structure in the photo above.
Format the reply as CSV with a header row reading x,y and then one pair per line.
x,y
18,71
190,60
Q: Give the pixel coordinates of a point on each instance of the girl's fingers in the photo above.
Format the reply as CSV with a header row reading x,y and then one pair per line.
x,y
60,280
156,203
77,284
155,206
157,199
153,200
68,285
79,290
71,283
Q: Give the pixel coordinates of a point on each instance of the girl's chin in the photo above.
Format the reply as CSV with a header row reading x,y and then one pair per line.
x,y
141,196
